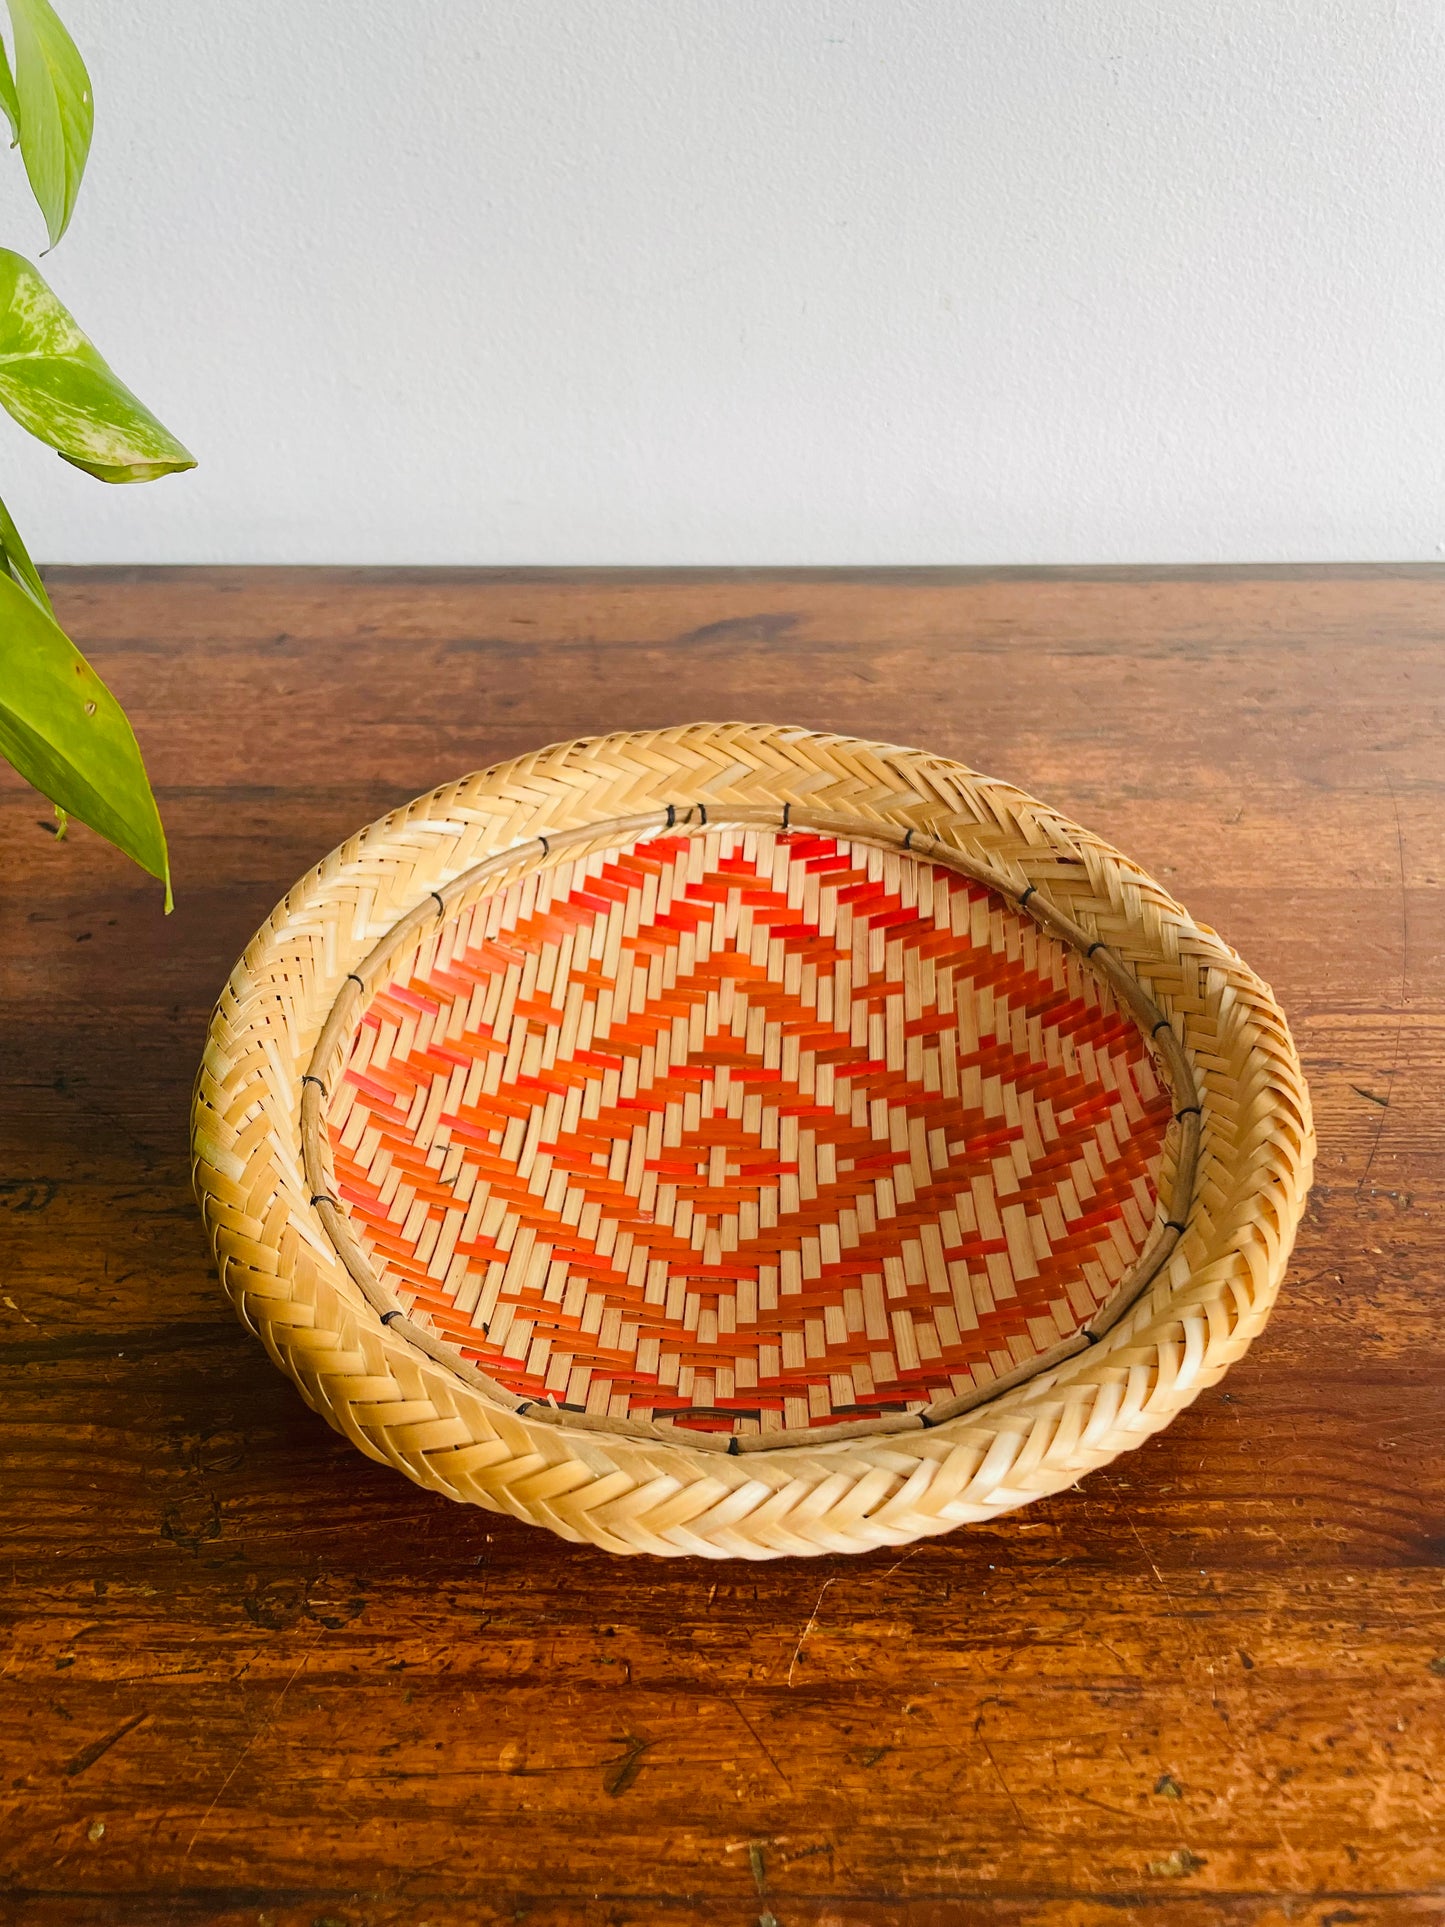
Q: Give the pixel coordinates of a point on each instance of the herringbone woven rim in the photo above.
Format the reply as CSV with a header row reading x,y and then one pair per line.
x,y
405,1399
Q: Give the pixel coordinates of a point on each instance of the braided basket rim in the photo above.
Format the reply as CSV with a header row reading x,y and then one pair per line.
x,y
1243,1159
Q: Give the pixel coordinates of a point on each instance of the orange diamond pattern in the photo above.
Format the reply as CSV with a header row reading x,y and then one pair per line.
x,y
748,1131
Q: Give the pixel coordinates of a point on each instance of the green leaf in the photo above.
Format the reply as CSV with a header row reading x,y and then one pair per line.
x,y
7,96
15,562
65,733
56,112
55,383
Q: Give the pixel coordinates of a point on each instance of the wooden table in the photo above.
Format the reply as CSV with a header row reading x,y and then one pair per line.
x,y
250,1677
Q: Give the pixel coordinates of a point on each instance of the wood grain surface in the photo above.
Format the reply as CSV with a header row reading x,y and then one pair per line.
x,y
249,1677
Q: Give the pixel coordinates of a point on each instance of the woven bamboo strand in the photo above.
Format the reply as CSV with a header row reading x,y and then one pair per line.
x,y
1250,1142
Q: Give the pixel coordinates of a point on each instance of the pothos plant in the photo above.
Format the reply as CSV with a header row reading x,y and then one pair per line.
x,y
59,724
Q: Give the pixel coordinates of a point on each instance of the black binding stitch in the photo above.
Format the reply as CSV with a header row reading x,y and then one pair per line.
x,y
352,978
1190,1110
1093,1337
1097,944
732,1448
1163,1024
388,1316
546,846
787,812
702,814
1031,891
908,841
671,814
1173,1224
321,1198
436,897
309,1079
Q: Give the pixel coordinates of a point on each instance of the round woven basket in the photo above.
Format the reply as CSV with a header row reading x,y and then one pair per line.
x,y
738,1141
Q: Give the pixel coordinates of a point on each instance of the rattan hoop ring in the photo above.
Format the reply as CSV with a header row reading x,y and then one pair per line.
x,y
738,1141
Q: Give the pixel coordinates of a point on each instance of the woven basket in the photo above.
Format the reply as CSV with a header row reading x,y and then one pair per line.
x,y
737,1141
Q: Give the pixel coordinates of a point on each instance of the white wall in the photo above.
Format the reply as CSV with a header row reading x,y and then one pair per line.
x,y
761,280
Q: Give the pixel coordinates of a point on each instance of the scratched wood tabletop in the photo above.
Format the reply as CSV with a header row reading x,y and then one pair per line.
x,y
250,1677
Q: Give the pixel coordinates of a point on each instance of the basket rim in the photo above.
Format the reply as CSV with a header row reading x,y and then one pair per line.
x,y
1249,1127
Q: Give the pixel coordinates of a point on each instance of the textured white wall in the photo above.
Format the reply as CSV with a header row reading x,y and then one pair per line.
x,y
761,280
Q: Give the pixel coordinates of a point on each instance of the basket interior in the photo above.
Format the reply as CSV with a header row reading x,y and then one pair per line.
x,y
746,1131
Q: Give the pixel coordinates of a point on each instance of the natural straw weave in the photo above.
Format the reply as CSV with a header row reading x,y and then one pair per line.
x,y
738,1141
